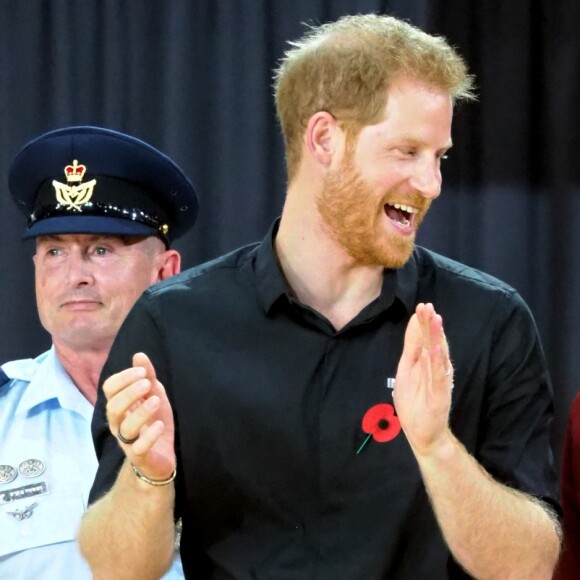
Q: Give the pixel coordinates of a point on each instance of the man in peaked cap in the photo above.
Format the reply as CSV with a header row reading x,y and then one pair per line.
x,y
104,208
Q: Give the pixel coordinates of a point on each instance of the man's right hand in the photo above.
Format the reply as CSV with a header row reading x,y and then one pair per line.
x,y
138,407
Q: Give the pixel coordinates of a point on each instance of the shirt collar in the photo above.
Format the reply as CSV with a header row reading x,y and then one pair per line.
x,y
408,282
270,282
50,381
271,285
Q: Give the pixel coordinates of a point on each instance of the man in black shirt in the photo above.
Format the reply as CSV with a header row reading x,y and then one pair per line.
x,y
294,402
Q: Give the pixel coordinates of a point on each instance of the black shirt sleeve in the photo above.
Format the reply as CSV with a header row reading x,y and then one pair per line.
x,y
515,431
138,333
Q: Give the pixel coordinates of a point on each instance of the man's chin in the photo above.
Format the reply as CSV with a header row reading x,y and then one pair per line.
x,y
388,260
396,264
395,256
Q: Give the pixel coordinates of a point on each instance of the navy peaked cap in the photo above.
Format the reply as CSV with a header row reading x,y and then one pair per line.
x,y
94,180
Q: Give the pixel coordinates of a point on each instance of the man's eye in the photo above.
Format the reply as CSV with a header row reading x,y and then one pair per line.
x,y
100,251
407,151
53,252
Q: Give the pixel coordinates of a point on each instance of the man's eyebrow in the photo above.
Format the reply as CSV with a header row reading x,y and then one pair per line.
x,y
415,142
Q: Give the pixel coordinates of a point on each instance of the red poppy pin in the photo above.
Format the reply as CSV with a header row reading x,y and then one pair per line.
x,y
381,423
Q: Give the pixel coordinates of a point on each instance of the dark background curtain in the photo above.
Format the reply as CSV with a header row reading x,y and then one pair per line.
x,y
194,79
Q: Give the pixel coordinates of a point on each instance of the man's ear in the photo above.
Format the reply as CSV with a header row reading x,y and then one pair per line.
x,y
322,133
170,264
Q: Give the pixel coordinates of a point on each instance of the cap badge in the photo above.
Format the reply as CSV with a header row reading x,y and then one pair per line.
x,y
74,196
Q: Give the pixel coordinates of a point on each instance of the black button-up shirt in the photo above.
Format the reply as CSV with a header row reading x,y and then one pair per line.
x,y
269,399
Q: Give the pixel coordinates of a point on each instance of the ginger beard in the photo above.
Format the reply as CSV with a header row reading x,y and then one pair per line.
x,y
355,219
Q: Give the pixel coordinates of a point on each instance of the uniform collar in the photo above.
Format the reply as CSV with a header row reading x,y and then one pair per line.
x,y
47,380
398,285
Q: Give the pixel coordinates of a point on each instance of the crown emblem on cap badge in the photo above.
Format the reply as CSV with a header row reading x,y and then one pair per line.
x,y
75,172
76,194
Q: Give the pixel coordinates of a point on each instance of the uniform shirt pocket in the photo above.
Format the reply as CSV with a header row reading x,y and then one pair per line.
x,y
39,520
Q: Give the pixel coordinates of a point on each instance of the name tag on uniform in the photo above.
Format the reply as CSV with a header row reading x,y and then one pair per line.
x,y
23,492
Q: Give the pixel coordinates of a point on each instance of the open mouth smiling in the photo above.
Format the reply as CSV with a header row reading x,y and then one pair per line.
x,y
403,216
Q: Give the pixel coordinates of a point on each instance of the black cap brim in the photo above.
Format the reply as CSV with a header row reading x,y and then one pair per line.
x,y
88,225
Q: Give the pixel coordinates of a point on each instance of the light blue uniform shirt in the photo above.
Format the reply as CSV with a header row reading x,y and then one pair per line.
x,y
45,442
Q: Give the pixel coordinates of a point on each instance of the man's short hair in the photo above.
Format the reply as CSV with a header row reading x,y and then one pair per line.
x,y
346,68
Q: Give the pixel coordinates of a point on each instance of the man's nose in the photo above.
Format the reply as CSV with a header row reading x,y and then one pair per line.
x,y
427,178
79,269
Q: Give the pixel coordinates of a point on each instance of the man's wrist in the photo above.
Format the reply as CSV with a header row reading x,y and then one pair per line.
x,y
441,449
154,482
